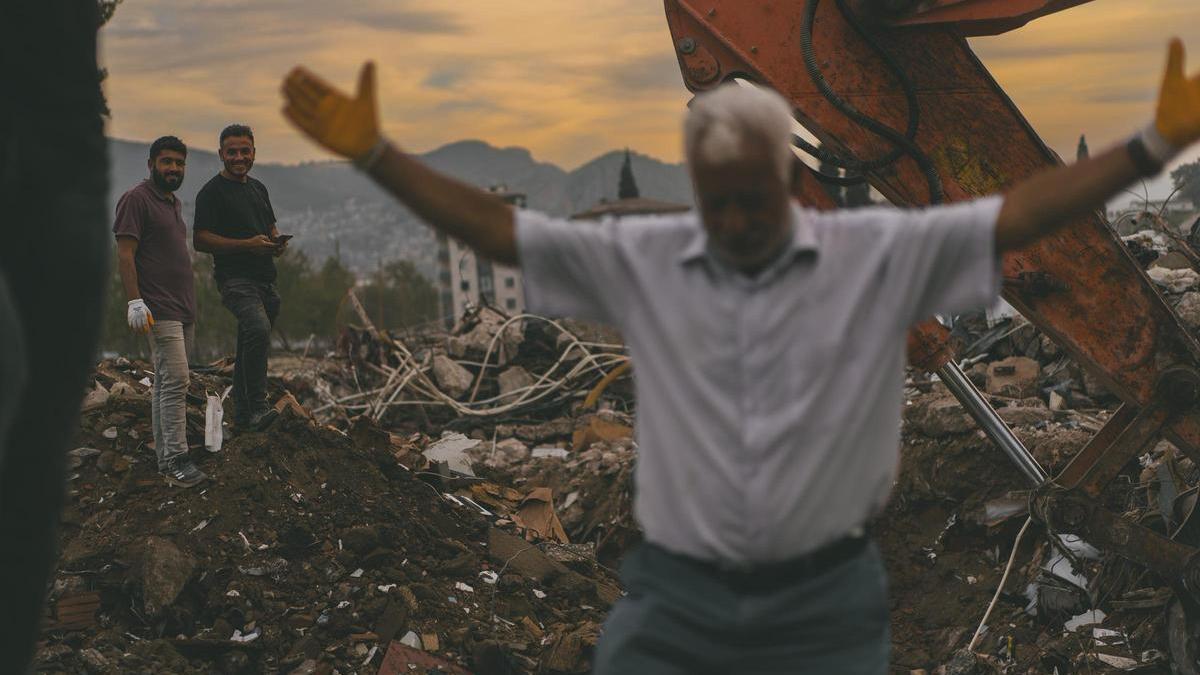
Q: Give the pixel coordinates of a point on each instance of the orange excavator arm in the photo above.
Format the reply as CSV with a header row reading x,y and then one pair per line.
x,y
895,96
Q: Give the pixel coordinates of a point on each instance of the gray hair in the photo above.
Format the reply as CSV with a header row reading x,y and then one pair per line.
x,y
720,122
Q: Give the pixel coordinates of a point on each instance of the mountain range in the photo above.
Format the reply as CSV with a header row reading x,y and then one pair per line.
x,y
334,210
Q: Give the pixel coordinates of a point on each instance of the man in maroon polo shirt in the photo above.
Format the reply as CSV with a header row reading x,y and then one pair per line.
x,y
156,271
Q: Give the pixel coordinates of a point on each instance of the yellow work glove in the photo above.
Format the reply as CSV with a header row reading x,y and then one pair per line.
x,y
1178,118
344,125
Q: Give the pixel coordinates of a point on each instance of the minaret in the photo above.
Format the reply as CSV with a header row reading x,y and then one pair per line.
x,y
1082,151
628,188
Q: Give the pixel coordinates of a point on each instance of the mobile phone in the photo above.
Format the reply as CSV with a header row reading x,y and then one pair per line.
x,y
283,239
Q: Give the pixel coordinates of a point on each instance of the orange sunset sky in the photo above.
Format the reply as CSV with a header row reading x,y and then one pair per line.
x,y
567,79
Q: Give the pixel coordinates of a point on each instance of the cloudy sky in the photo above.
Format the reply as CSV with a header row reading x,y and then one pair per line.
x,y
568,80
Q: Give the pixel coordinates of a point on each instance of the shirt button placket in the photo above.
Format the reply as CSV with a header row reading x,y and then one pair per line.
x,y
746,405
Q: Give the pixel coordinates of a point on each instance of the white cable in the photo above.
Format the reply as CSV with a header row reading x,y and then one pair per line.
x,y
992,605
413,376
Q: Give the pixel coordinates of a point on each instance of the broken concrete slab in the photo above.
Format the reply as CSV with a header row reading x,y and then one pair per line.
x,y
1174,281
95,398
1188,309
451,378
165,570
937,416
1172,260
1025,416
503,455
514,379
1014,377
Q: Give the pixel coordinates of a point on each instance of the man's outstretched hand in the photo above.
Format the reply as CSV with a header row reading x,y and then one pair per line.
x,y
1178,118
344,125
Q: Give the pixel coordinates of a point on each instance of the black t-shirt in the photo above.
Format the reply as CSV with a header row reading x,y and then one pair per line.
x,y
237,210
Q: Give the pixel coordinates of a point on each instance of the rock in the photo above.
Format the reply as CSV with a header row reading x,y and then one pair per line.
x,y
1174,281
537,433
571,652
95,398
964,662
478,340
589,331
513,379
93,660
1050,349
391,621
1188,309
76,457
308,667
1014,377
451,378
1057,402
506,453
362,539
165,570
1024,416
125,390
1173,261
111,462
937,416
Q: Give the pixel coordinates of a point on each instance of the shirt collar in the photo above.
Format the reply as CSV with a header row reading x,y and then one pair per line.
x,y
804,239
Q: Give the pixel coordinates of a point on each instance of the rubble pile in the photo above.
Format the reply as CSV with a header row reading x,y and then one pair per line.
x,y
458,503
312,549
490,367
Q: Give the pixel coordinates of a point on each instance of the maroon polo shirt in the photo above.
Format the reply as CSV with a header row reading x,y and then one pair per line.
x,y
163,263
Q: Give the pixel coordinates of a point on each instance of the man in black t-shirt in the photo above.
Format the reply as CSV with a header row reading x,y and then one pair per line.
x,y
236,224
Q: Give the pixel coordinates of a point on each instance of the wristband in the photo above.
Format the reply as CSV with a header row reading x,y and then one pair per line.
x,y
1150,151
1146,164
369,160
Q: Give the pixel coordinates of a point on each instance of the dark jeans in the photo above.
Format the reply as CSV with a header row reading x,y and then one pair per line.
x,y
680,619
255,305
53,274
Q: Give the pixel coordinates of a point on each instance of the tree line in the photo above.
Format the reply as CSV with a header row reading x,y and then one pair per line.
x,y
314,309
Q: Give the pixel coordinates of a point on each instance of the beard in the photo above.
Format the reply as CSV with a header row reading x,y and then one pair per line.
x,y
169,183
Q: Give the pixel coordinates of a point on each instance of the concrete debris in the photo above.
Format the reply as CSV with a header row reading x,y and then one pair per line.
x,y
938,416
1188,309
96,397
451,377
1014,377
165,570
347,538
513,380
1174,280
453,449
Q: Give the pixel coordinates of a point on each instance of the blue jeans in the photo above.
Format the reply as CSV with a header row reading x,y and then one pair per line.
x,y
255,305
678,620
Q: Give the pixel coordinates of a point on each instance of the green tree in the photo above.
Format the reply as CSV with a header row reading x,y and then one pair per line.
x,y
1187,180
310,297
398,296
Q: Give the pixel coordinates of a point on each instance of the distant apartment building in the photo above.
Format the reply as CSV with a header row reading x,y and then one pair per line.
x,y
466,280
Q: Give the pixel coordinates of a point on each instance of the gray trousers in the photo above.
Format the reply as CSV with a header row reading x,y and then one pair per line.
x,y
679,620
170,344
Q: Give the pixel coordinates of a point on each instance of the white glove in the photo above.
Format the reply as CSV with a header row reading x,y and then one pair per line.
x,y
139,317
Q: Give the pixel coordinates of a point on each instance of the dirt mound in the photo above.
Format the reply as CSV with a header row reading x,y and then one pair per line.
x,y
309,548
